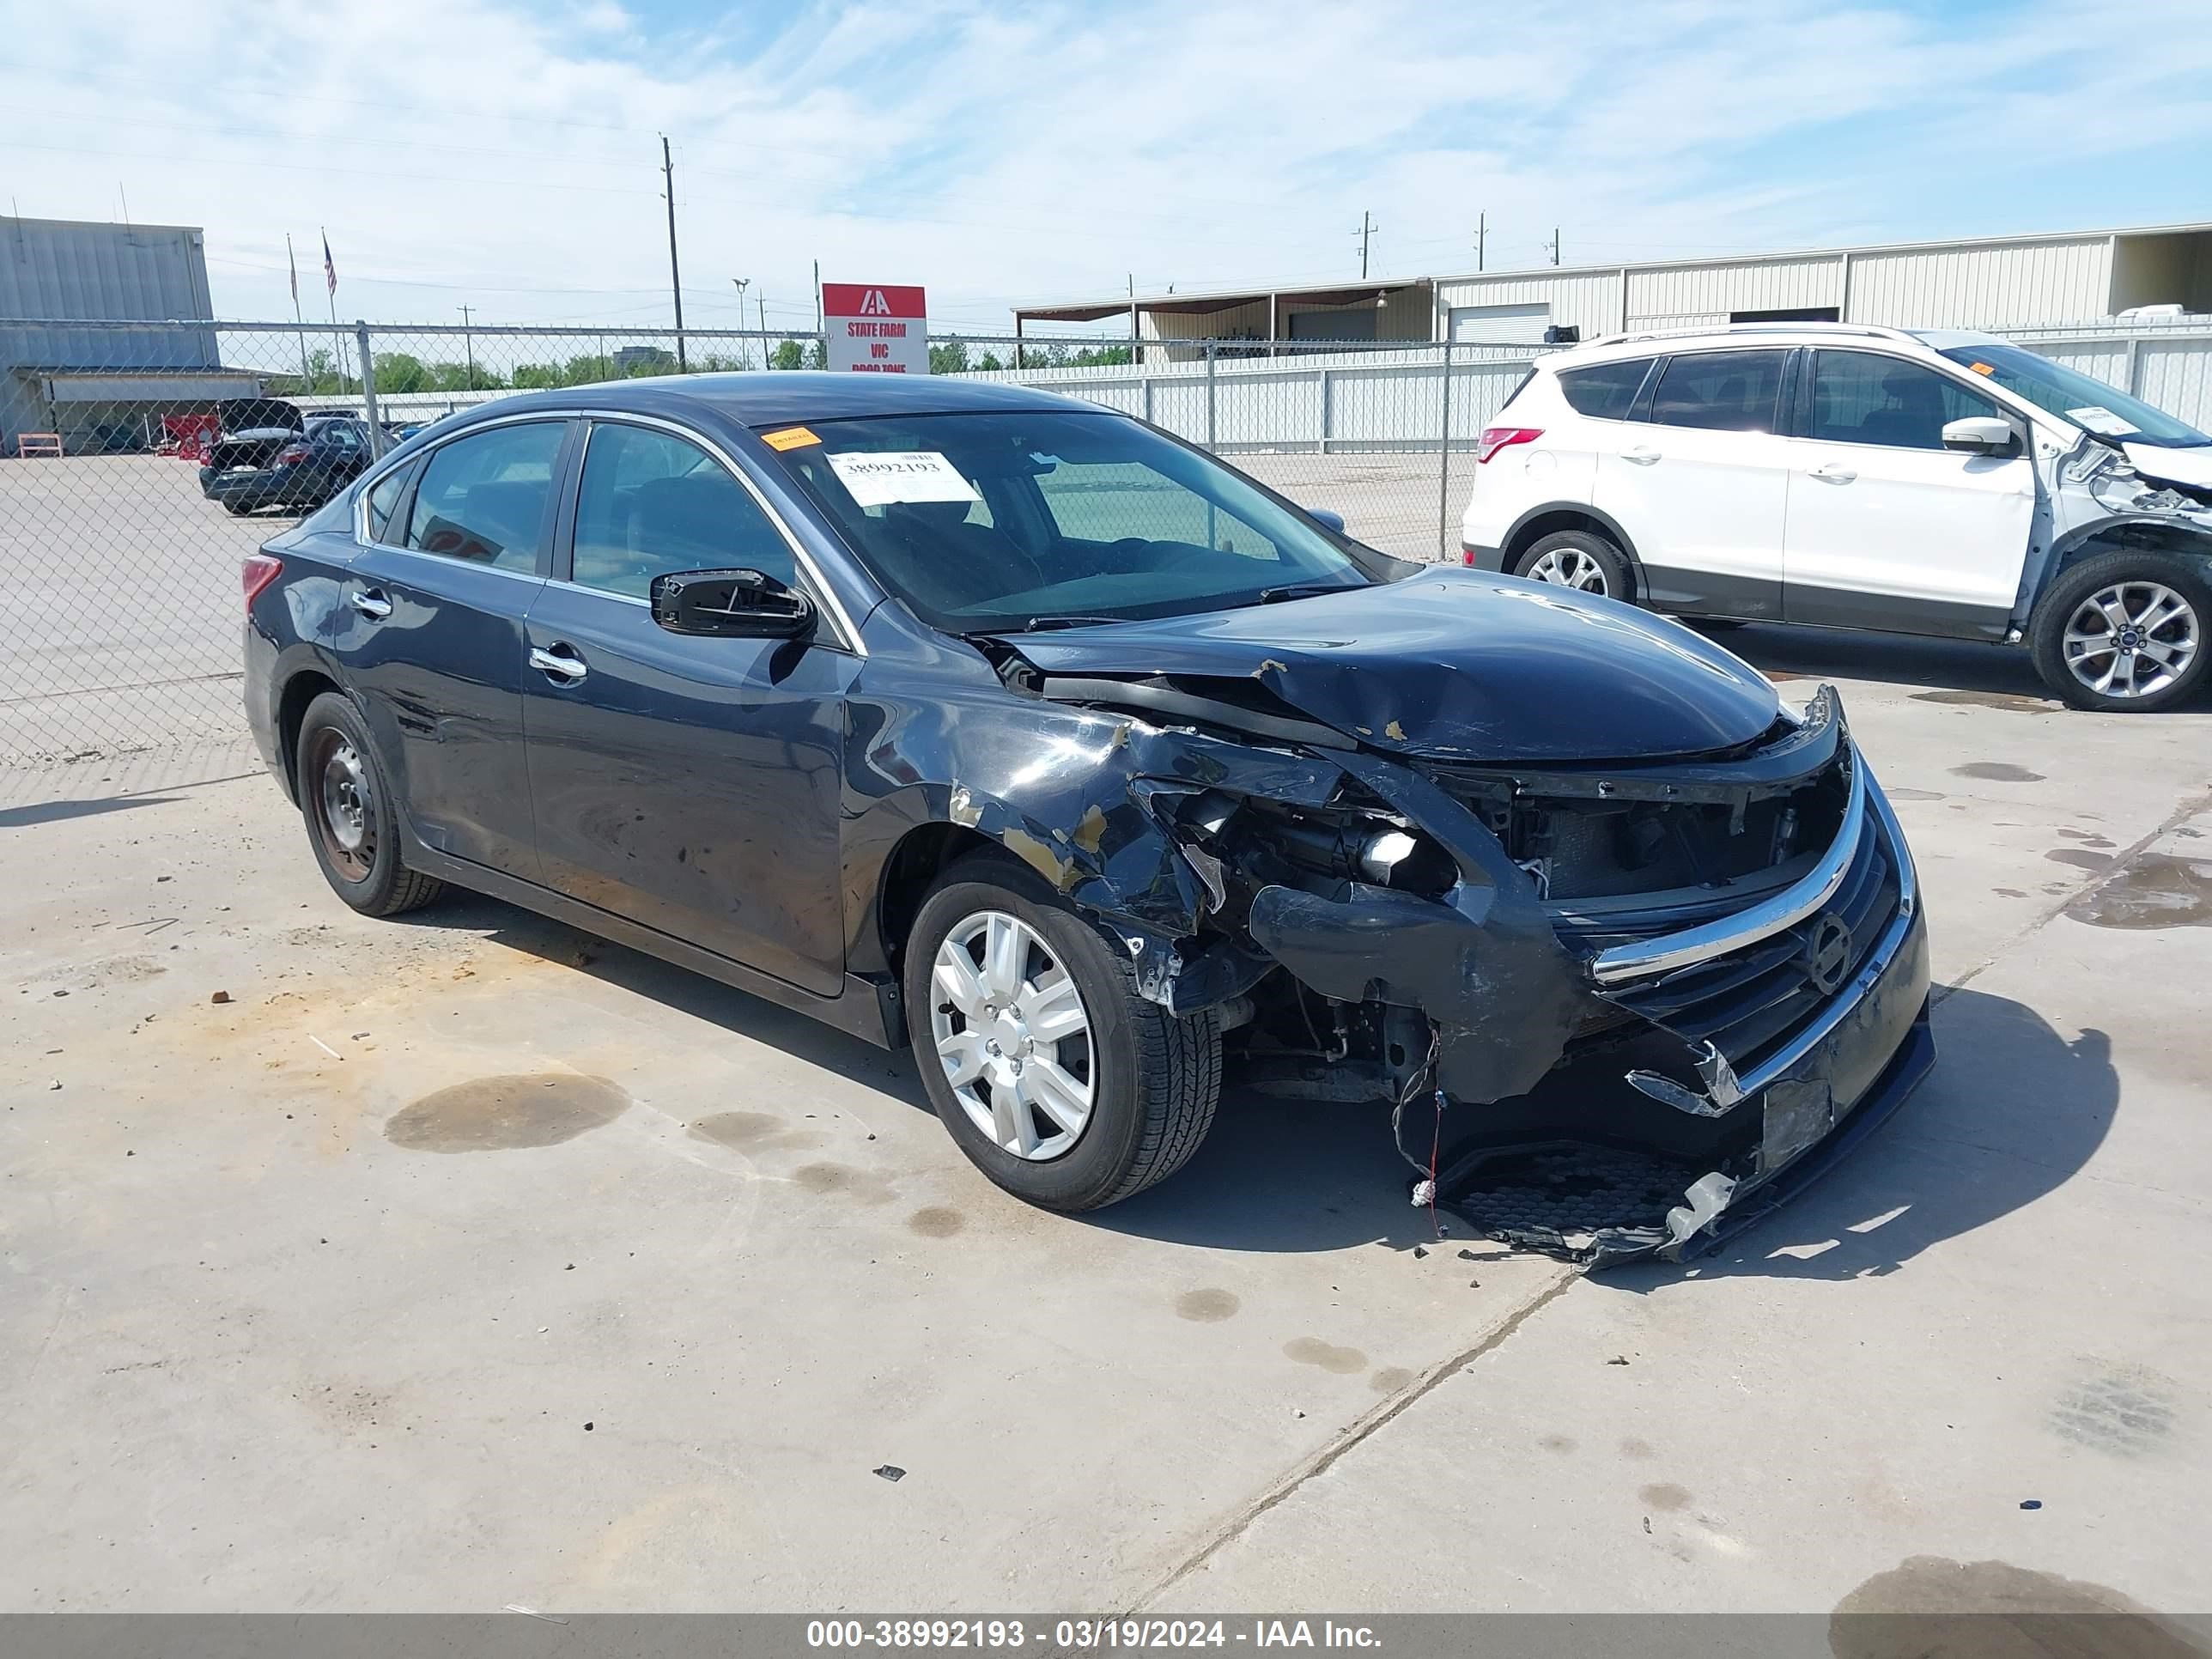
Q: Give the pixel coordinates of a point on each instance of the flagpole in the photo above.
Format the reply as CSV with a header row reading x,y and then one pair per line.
x,y
307,377
330,285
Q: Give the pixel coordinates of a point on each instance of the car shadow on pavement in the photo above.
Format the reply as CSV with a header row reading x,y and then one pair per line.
x,y
2013,1110
1782,651
798,1035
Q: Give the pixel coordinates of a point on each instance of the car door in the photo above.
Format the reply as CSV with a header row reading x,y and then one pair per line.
x,y
689,783
431,635
1888,528
1699,480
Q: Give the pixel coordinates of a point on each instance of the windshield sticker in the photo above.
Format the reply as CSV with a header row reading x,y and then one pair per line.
x,y
792,437
2098,419
881,477
1981,369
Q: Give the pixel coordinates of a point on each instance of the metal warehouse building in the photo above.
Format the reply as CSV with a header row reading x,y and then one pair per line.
x,y
100,388
2007,282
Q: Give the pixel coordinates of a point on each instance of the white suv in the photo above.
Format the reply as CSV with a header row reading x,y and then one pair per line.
x,y
1917,482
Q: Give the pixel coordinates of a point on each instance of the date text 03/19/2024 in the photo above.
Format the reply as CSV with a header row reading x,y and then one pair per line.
x,y
1083,1634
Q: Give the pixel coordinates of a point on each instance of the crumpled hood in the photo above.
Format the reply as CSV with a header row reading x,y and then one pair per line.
x,y
2190,467
1455,665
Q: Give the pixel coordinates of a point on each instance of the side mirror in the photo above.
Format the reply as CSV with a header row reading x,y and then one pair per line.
x,y
747,605
1981,434
1322,515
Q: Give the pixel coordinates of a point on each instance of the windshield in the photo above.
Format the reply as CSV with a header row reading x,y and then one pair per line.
x,y
2072,396
990,522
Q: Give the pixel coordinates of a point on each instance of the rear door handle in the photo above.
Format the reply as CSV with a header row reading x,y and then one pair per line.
x,y
371,603
1832,472
560,664
1642,455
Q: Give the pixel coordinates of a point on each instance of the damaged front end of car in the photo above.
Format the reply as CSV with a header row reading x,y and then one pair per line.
x,y
1635,997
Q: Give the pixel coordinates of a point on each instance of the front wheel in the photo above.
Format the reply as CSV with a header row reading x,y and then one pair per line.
x,y
2123,632
1058,1080
1580,559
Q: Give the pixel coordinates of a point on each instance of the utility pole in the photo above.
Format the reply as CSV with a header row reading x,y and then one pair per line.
x,y
1367,228
468,335
1481,237
1555,245
817,297
744,283
675,278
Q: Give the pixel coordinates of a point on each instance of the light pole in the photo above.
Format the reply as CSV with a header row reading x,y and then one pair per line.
x,y
745,282
469,339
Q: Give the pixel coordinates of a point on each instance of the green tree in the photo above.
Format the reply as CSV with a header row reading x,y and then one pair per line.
x,y
949,358
787,355
398,372
538,376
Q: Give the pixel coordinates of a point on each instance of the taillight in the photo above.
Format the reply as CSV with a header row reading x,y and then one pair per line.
x,y
1466,556
257,573
292,454
1495,437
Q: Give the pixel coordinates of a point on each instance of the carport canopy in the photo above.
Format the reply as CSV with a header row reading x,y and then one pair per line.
x,y
147,386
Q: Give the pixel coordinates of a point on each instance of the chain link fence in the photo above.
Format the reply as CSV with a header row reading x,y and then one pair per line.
x,y
141,462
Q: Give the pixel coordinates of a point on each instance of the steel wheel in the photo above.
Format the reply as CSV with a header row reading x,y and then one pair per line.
x,y
344,804
1569,567
1012,1035
2130,639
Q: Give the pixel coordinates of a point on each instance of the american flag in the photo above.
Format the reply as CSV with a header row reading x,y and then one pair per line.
x,y
330,269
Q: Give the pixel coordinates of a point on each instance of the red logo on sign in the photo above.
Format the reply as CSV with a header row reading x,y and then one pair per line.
x,y
872,299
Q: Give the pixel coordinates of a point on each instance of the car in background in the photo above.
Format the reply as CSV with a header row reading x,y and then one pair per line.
x,y
301,473
1912,481
249,431
964,716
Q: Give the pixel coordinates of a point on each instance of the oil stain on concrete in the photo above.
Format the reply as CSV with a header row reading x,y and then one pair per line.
x,y
1391,1378
1664,1495
2081,858
1994,1610
751,1132
2012,700
1997,771
1312,1351
938,1221
1207,1307
2155,890
843,1181
1559,1444
506,1114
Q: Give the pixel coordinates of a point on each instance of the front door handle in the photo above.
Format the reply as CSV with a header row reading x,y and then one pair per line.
x,y
1642,455
1832,472
560,664
371,603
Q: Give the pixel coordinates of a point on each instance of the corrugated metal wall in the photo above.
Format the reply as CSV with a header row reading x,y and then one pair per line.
x,y
1587,299
107,273
1692,296
1994,288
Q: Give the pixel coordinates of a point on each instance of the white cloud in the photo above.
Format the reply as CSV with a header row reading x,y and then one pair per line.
x,y
478,151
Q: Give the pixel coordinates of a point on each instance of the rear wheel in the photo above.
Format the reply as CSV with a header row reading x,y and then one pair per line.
x,y
2124,632
1058,1080
1580,559
348,809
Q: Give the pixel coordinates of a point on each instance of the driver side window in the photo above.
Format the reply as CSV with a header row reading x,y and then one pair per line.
x,y
651,502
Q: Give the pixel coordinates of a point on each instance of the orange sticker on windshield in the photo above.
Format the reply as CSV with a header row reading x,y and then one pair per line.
x,y
791,437
1981,369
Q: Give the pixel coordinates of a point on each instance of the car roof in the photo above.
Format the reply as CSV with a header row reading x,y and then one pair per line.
x,y
1659,342
791,398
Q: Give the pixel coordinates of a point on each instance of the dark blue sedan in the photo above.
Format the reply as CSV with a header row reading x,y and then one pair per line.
x,y
1014,729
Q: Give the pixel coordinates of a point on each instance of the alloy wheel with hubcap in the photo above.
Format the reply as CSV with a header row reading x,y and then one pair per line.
x,y
1569,567
2130,639
1012,1036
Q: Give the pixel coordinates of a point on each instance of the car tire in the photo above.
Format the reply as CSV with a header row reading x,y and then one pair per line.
x,y
1149,1080
2111,621
1580,559
347,806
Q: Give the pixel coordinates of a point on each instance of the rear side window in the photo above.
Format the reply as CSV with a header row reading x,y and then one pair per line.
x,y
384,501
1722,390
650,503
1864,397
482,498
1605,391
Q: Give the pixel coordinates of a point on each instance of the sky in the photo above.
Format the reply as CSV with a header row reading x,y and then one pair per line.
x,y
506,156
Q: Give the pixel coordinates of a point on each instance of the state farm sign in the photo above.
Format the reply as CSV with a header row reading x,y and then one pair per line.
x,y
875,328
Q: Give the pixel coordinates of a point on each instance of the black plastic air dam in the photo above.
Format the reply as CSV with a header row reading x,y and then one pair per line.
x,y
1876,1055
